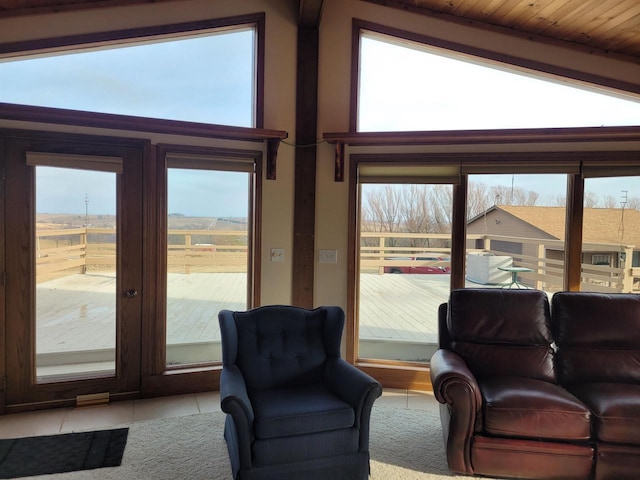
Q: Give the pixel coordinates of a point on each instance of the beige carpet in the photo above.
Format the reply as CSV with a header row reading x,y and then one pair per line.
x,y
405,445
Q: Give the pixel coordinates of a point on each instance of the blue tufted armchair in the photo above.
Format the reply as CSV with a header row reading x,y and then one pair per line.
x,y
295,409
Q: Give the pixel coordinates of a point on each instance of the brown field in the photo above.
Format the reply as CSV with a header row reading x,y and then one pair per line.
x,y
53,221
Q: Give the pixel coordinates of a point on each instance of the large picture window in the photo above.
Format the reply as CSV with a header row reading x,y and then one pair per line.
x,y
513,209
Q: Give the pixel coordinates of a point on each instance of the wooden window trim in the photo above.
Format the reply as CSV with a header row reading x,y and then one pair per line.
x,y
154,366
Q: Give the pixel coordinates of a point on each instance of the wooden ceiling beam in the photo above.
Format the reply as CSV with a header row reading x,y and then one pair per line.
x,y
10,8
309,13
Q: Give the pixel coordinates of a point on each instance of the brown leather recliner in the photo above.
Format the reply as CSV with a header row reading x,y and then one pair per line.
x,y
502,410
598,361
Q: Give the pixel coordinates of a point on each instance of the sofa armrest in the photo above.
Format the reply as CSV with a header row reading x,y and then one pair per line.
x,y
447,368
234,400
456,388
357,389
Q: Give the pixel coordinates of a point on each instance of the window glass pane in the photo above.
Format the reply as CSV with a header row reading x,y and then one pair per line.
x,y
411,86
207,257
75,250
405,265
207,78
515,231
611,235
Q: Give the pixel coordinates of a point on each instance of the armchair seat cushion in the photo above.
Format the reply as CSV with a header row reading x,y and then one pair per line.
x,y
530,408
282,412
616,410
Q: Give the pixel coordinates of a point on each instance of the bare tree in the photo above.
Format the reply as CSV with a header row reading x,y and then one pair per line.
x,y
633,203
590,200
609,201
413,208
478,199
440,208
382,209
514,196
419,208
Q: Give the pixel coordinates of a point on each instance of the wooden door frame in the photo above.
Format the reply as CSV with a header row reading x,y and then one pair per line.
x,y
21,391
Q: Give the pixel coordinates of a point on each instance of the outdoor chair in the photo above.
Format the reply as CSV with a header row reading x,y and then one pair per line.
x,y
295,409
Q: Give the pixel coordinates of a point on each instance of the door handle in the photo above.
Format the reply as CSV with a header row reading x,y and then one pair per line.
x,y
131,293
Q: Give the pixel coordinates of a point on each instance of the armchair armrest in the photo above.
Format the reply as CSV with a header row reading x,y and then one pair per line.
x,y
352,385
456,388
234,400
357,389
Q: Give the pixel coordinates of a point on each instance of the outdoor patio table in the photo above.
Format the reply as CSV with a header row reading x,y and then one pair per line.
x,y
514,275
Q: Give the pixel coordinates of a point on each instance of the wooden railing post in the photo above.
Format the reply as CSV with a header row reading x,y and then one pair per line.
x,y
187,243
381,245
541,265
627,272
83,241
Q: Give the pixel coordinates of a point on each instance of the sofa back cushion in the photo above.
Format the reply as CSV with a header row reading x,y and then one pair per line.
x,y
502,332
598,337
285,346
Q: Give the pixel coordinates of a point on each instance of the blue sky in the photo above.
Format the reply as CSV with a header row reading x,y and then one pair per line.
x,y
203,79
210,79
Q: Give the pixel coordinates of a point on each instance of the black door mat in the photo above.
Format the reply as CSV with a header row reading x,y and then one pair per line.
x,y
23,457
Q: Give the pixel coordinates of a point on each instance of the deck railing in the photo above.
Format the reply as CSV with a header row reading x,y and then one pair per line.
x,y
543,257
77,250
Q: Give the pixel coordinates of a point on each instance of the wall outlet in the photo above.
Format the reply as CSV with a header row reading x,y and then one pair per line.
x,y
328,256
277,254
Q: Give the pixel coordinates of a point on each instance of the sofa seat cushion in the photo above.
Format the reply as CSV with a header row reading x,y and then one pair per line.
x,y
299,410
529,408
616,410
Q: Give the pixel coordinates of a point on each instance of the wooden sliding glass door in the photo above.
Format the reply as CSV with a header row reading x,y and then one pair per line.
x,y
74,273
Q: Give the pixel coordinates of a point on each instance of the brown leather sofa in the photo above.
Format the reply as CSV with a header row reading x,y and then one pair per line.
x,y
529,391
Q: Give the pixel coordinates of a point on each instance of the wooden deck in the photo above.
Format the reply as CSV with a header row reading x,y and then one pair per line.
x,y
76,313
401,307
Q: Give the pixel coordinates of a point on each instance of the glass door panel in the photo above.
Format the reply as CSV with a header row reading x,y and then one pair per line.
x,y
611,235
515,231
207,259
405,269
75,266
74,272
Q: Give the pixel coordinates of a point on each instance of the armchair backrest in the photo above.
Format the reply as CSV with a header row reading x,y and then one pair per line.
x,y
501,332
279,345
598,337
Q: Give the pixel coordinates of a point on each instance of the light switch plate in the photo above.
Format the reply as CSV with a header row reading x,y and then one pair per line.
x,y
328,256
277,254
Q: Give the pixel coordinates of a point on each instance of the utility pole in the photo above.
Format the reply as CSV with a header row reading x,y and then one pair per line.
x,y
86,210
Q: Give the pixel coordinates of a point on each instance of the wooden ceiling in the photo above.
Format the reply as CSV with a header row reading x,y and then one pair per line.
x,y
609,26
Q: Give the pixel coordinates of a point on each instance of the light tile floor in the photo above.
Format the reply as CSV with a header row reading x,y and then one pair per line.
x,y
65,420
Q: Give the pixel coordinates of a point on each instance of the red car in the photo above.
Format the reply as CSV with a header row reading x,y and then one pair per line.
x,y
421,269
